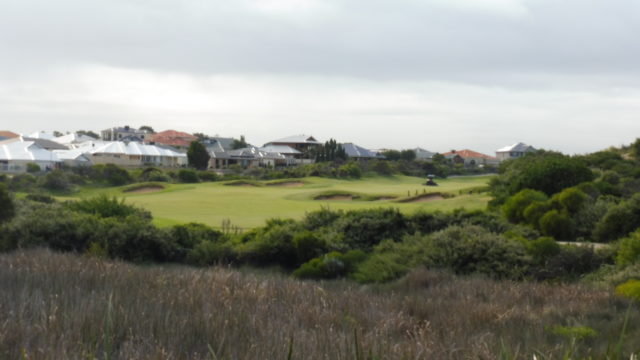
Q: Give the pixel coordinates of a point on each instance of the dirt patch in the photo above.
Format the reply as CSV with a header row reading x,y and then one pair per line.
x,y
287,184
424,198
335,197
145,189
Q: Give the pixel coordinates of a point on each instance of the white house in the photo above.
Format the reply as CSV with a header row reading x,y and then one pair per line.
x,y
514,151
15,155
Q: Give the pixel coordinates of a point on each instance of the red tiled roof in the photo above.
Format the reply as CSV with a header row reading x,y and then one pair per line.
x,y
466,153
9,134
172,138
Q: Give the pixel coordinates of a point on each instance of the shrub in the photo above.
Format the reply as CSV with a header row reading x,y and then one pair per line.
x,y
271,244
350,170
472,249
187,237
331,265
208,176
7,210
188,176
56,180
570,263
543,248
134,239
619,221
110,174
22,182
630,289
211,253
571,199
535,211
362,229
629,249
308,246
105,206
33,168
515,206
557,224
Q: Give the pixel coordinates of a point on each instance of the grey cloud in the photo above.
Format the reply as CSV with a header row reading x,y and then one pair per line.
x,y
358,38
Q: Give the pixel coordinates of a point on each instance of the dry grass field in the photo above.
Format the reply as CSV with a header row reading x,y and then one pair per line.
x,y
66,306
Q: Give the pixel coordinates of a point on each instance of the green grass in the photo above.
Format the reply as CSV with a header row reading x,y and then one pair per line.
x,y
250,206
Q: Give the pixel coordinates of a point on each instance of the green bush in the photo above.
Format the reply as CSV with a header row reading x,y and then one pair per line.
x,y
629,249
188,237
56,180
211,253
110,174
188,176
630,289
514,208
570,263
331,265
271,244
308,246
542,248
22,182
350,170
619,220
363,229
7,210
208,176
33,168
556,224
105,206
571,199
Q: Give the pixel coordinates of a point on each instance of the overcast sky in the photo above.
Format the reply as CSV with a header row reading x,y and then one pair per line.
x,y
439,74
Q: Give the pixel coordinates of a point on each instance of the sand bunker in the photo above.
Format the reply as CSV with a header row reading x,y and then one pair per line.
x,y
424,198
287,184
145,189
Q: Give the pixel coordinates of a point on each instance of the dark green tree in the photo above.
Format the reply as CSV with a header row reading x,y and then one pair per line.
x,y
198,156
148,129
7,209
239,144
88,133
331,151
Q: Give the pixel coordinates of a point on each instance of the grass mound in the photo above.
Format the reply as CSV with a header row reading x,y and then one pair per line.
x,y
244,183
286,183
426,197
143,188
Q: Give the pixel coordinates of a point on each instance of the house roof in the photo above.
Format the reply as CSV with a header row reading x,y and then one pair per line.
x,y
296,139
5,134
253,152
172,137
466,153
73,154
26,151
281,149
72,138
423,154
519,147
134,148
42,135
355,151
46,143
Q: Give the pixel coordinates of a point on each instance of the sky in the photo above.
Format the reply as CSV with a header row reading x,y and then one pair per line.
x,y
437,74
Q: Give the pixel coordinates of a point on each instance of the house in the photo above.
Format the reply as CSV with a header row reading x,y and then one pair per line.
x,y
514,151
4,135
251,157
123,133
470,158
74,157
134,154
423,155
285,150
358,153
72,139
47,135
15,155
302,143
172,138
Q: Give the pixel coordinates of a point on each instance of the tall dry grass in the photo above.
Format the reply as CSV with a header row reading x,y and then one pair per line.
x,y
64,306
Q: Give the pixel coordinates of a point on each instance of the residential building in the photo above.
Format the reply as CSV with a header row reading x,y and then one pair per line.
x,y
125,133
172,138
423,155
470,158
514,151
358,153
302,143
15,155
4,135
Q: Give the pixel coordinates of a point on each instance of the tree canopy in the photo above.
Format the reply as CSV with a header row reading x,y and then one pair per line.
x,y
198,156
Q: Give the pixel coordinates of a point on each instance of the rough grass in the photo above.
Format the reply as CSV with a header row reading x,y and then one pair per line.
x,y
251,205
65,306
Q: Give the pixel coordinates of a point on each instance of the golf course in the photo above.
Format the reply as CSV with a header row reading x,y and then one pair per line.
x,y
247,204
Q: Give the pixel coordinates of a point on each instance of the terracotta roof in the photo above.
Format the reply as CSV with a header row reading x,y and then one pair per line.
x,y
172,137
8,134
466,153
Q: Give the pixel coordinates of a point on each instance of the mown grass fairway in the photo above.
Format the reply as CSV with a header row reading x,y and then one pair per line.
x,y
248,205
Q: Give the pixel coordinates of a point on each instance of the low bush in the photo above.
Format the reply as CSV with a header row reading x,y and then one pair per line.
x,y
188,176
331,265
629,249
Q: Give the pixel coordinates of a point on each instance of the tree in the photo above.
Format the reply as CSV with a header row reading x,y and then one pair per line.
x,y
331,151
408,155
239,144
198,156
88,133
148,129
7,209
